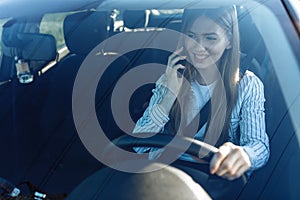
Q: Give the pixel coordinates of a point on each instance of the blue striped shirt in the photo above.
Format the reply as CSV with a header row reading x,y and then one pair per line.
x,y
247,115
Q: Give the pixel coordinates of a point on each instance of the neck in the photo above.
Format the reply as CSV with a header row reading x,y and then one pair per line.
x,y
207,76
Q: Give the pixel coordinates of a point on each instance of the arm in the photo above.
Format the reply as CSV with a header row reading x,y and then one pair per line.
x,y
253,137
253,149
153,119
164,95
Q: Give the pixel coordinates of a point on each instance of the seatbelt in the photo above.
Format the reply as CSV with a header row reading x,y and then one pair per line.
x,y
199,121
204,114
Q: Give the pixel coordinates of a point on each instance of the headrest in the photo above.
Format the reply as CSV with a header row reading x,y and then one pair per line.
x,y
135,19
85,30
27,46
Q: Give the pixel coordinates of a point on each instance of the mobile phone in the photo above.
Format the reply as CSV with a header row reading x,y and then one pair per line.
x,y
181,71
182,62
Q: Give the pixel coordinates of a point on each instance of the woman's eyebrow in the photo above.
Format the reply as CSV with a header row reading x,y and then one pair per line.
x,y
209,33
190,32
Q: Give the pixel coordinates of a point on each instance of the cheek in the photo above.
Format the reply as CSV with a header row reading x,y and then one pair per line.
x,y
187,45
217,50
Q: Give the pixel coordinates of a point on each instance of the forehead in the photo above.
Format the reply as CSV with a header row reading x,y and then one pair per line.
x,y
203,25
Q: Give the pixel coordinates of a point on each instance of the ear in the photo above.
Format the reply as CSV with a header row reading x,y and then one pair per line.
x,y
228,44
228,41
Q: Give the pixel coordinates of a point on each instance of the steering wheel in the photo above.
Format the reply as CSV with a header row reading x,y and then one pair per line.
x,y
111,183
186,145
181,144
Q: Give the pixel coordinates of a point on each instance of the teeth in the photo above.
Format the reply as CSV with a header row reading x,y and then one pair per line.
x,y
201,56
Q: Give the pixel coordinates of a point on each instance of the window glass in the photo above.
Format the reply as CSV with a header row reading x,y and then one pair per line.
x,y
2,22
53,24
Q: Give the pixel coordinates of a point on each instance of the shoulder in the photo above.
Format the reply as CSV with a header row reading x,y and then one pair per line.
x,y
250,81
250,88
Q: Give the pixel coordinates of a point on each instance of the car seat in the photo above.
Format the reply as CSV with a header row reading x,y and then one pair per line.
x,y
21,103
64,161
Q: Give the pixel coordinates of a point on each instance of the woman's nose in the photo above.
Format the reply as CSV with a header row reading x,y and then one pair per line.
x,y
200,44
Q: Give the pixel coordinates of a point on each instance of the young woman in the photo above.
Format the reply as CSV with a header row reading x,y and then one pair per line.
x,y
209,56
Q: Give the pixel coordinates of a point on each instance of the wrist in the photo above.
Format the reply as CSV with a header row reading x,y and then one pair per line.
x,y
167,102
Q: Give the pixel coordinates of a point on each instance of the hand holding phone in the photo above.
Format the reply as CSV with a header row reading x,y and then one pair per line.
x,y
180,70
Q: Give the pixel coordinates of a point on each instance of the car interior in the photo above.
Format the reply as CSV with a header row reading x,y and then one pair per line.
x,y
39,138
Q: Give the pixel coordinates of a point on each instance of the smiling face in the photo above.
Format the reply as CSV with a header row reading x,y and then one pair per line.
x,y
206,42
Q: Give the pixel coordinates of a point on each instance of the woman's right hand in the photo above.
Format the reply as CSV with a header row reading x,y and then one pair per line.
x,y
174,80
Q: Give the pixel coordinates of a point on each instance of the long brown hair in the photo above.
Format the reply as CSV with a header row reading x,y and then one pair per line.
x,y
225,93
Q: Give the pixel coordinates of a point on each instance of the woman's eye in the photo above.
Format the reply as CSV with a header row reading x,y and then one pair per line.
x,y
191,35
211,38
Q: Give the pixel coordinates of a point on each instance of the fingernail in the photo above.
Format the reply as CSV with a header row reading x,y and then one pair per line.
x,y
212,171
180,49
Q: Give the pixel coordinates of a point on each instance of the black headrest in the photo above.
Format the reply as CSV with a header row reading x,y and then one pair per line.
x,y
27,46
135,19
85,30
168,183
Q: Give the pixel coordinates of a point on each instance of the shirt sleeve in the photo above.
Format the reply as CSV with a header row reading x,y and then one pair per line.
x,y
253,136
153,119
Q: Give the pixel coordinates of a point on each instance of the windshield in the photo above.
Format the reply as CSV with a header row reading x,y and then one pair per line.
x,y
82,81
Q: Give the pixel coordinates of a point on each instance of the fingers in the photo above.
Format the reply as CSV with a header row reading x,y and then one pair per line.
x,y
180,73
218,158
230,162
176,53
174,58
237,174
238,166
173,76
174,67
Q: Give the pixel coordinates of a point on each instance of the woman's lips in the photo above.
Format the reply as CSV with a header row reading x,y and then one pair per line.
x,y
200,57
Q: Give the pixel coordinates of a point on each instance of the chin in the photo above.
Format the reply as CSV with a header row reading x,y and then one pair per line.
x,y
202,66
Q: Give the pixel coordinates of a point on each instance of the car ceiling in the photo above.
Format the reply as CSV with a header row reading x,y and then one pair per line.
x,y
164,4
21,8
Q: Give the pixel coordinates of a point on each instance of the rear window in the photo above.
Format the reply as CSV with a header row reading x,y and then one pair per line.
x,y
53,24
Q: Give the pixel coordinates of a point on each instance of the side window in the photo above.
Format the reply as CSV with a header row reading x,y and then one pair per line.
x,y
2,22
3,72
53,24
